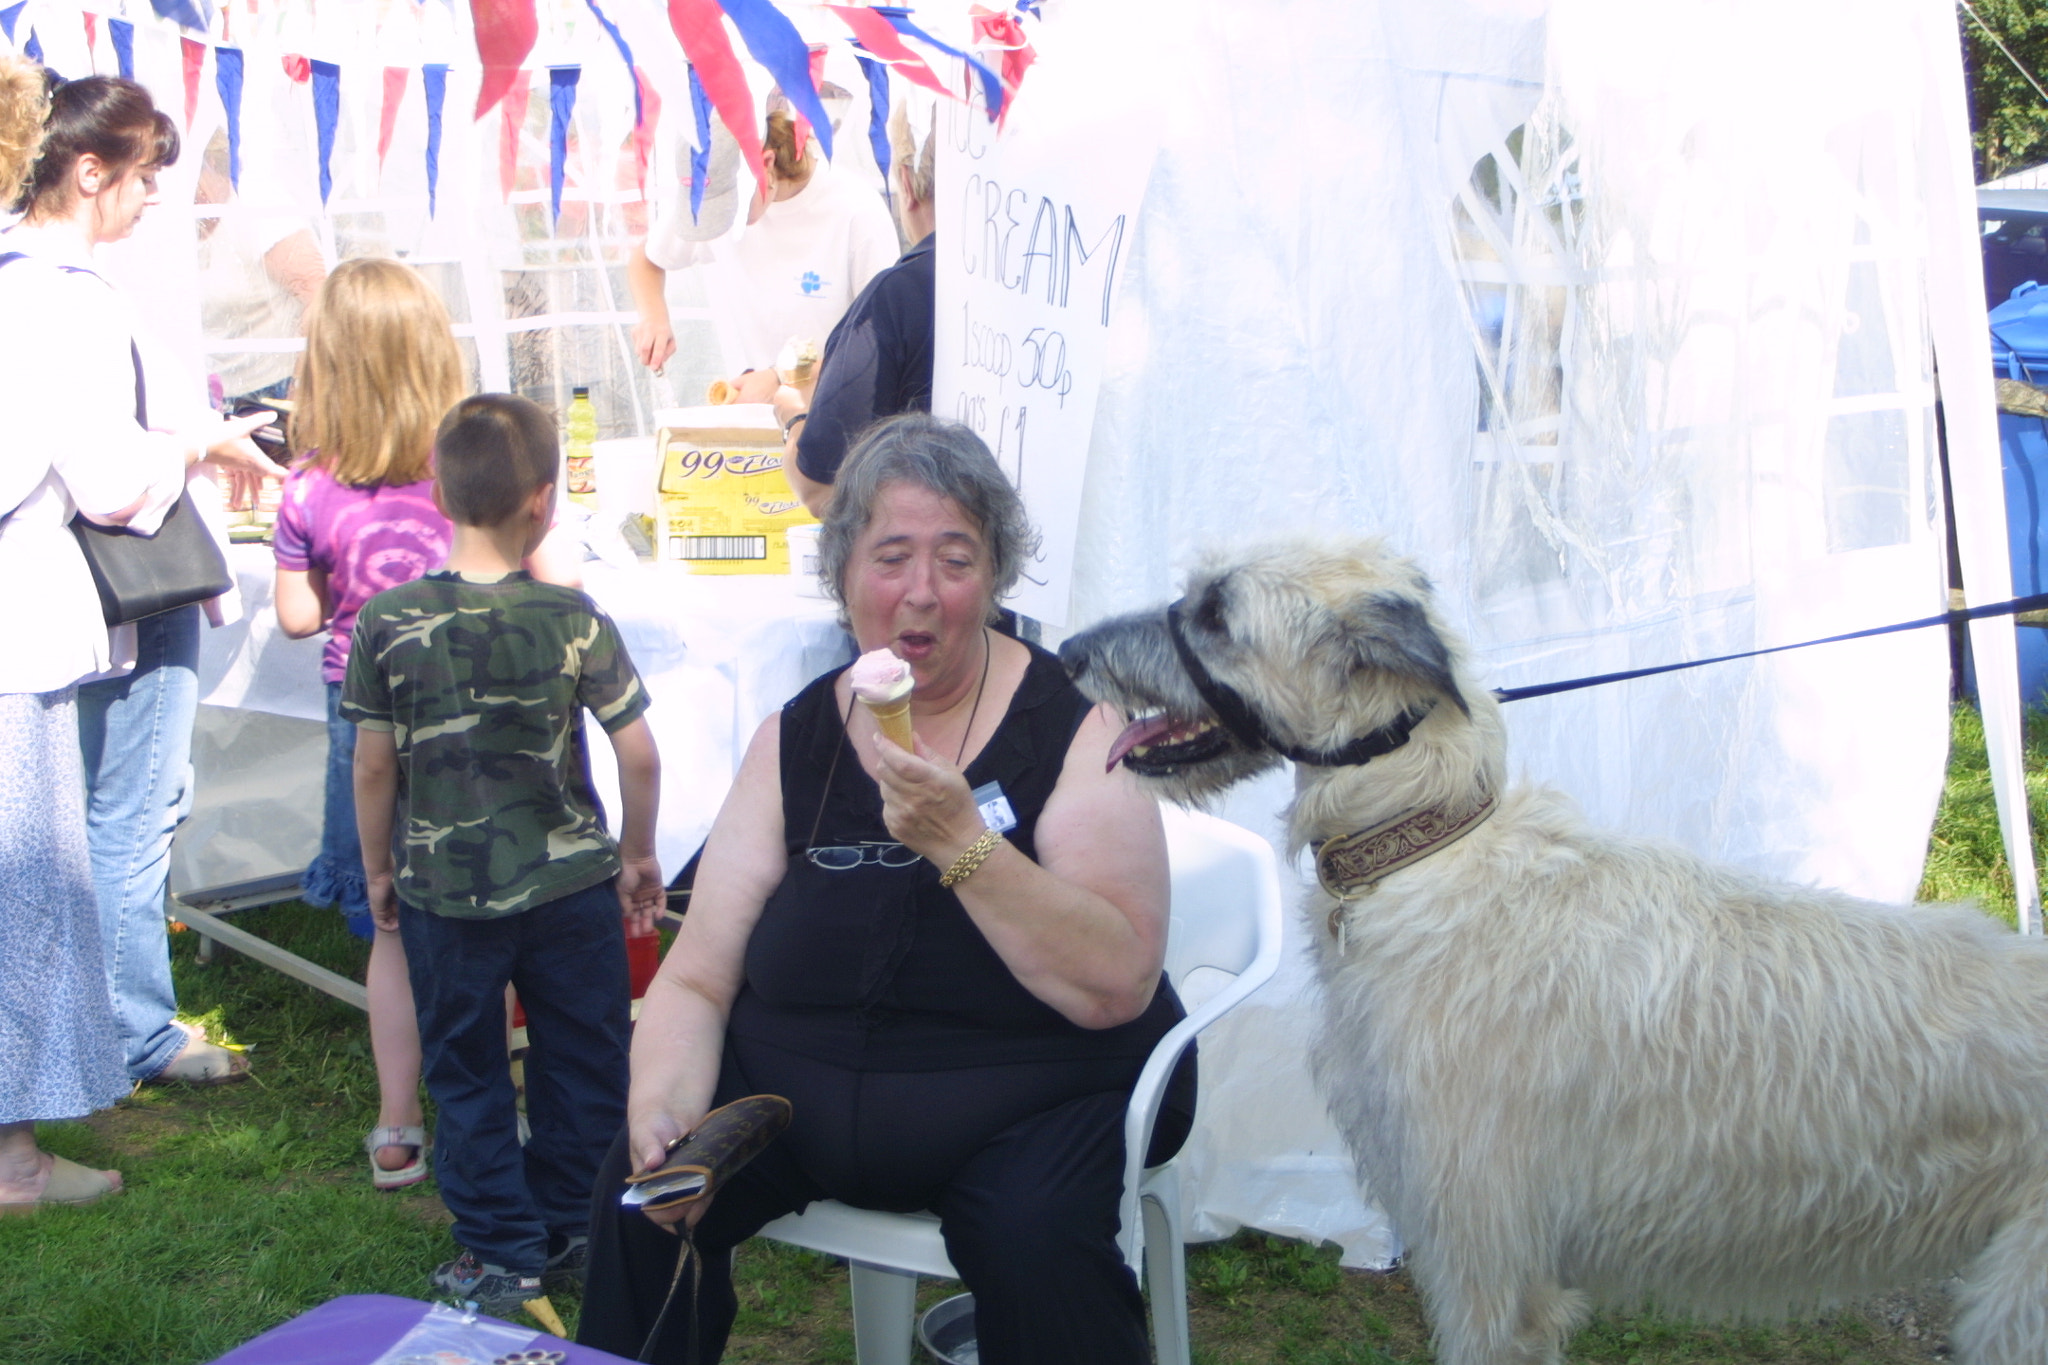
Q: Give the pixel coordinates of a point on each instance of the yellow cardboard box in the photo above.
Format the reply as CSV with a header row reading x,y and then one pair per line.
x,y
725,507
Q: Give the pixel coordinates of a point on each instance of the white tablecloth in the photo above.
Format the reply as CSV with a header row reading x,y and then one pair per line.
x,y
717,655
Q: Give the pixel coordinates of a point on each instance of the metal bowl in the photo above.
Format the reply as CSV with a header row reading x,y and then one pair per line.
x,y
946,1329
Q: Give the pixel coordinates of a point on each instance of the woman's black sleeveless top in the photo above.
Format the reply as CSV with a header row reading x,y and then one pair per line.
x,y
879,968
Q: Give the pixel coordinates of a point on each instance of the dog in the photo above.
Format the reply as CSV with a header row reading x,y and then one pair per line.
x,y
1579,1069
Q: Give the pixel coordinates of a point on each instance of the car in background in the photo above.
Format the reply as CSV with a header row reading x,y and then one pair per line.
x,y
2014,224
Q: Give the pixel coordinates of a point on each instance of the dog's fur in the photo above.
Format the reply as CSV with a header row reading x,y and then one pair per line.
x,y
1578,1068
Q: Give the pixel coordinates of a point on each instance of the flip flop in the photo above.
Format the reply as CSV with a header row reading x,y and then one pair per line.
x,y
69,1184
200,1063
395,1135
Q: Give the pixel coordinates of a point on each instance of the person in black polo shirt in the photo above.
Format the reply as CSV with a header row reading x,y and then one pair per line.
x,y
878,360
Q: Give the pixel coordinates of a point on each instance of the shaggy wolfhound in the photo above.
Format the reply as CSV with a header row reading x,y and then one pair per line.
x,y
1578,1068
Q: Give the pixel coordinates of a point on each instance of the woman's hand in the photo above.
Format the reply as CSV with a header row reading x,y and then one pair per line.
x,y
229,449
654,340
756,386
926,803
649,1134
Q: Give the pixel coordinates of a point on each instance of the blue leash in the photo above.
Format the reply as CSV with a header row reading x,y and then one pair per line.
x,y
2036,602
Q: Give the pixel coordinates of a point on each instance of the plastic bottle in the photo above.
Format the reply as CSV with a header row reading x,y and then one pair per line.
x,y
582,435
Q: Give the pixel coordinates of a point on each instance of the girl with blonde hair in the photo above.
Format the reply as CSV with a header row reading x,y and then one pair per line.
x,y
358,516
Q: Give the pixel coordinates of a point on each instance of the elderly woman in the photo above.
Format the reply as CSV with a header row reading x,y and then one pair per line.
x,y
968,1051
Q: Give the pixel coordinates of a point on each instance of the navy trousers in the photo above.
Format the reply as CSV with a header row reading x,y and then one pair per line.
x,y
567,960
1024,1174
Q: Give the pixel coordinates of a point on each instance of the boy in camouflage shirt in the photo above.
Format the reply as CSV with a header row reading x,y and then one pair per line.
x,y
467,689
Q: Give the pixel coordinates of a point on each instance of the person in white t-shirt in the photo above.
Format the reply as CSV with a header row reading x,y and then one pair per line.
x,y
777,286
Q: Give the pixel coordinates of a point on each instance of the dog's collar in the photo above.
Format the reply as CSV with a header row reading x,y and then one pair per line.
x,y
1237,716
1350,865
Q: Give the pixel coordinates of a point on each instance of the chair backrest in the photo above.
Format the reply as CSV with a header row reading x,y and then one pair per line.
x,y
1222,875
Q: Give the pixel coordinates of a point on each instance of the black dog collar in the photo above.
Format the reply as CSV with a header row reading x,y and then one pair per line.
x,y
1237,716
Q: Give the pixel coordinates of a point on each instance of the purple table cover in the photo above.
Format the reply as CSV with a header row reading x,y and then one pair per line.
x,y
357,1328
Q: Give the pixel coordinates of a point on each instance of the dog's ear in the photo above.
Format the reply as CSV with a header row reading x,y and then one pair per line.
x,y
1390,633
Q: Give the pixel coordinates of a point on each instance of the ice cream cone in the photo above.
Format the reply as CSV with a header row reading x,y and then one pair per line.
x,y
894,718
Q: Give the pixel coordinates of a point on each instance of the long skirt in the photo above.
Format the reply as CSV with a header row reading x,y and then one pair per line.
x,y
60,1056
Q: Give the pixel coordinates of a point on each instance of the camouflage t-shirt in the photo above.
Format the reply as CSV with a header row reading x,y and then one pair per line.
x,y
483,684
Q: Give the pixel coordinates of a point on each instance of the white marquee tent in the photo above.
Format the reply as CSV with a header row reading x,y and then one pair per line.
x,y
1623,319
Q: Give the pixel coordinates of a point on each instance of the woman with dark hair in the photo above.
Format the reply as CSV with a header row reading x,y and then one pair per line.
x,y
92,429
956,1013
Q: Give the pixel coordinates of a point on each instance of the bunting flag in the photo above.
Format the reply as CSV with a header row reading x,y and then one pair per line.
x,y
817,79
434,85
394,93
297,69
196,14
561,109
511,118
700,27
873,31
92,35
1001,31
326,115
774,42
877,73
505,34
33,48
647,107
991,83
626,52
11,16
227,79
193,53
122,34
700,157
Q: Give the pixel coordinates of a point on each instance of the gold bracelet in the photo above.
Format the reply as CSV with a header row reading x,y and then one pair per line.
x,y
973,857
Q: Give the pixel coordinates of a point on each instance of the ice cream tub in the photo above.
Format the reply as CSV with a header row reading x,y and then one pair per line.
x,y
725,506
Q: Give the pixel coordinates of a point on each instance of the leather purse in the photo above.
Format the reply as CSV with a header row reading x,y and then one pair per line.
x,y
140,576
697,1164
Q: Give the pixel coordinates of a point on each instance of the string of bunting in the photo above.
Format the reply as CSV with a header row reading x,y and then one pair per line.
x,y
506,32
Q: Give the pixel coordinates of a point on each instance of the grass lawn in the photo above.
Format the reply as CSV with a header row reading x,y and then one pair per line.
x,y
249,1204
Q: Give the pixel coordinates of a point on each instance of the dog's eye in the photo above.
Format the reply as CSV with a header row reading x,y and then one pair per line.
x,y
1209,611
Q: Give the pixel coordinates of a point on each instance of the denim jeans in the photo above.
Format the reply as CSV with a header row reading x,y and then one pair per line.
x,y
567,959
335,876
135,735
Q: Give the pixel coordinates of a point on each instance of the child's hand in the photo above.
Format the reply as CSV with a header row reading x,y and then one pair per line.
x,y
642,893
383,901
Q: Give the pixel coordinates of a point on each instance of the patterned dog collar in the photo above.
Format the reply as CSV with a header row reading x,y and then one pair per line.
x,y
1350,865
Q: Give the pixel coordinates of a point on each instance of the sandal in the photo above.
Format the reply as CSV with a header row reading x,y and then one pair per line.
x,y
70,1184
395,1135
200,1063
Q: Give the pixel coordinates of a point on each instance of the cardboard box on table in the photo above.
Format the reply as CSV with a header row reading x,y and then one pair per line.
x,y
725,506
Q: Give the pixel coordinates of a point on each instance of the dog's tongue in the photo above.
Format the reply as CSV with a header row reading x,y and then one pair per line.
x,y
1136,733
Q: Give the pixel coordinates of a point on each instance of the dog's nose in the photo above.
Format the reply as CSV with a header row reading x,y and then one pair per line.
x,y
1074,660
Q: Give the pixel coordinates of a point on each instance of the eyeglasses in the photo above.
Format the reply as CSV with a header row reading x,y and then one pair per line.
x,y
846,857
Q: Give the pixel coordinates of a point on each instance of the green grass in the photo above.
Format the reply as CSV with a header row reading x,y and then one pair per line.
x,y
250,1203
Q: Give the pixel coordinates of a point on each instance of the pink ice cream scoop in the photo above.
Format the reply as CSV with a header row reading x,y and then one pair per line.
x,y
882,682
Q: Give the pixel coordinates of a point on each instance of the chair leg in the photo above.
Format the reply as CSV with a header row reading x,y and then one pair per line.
x,y
884,1313
1166,1276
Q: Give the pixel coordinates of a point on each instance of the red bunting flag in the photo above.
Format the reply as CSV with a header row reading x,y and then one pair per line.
x,y
1003,31
700,26
875,33
297,67
194,54
505,34
394,92
92,36
643,131
512,115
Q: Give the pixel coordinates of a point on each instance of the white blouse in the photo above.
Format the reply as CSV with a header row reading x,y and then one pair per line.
x,y
68,443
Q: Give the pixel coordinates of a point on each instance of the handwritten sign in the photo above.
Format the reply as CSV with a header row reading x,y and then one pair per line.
x,y
1034,228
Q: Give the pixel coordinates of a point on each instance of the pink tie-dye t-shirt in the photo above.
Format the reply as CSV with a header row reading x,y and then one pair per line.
x,y
364,539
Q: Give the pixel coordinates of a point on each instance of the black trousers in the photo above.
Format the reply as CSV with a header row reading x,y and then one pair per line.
x,y
1023,1165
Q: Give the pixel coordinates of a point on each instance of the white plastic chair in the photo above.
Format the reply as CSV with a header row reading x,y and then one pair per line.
x,y
1225,915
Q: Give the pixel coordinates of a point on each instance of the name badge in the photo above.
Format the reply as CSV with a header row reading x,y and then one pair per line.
x,y
995,807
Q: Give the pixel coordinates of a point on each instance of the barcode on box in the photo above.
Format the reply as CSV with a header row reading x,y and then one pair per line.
x,y
718,547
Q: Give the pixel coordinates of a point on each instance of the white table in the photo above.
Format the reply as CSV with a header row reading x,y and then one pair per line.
x,y
717,654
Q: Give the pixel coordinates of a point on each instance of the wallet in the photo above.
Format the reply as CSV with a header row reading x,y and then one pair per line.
x,y
697,1164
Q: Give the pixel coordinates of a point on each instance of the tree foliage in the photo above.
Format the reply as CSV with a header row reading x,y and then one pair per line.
x,y
2008,115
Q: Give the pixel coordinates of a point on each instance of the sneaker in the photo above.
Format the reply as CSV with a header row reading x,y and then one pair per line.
x,y
565,1267
492,1288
